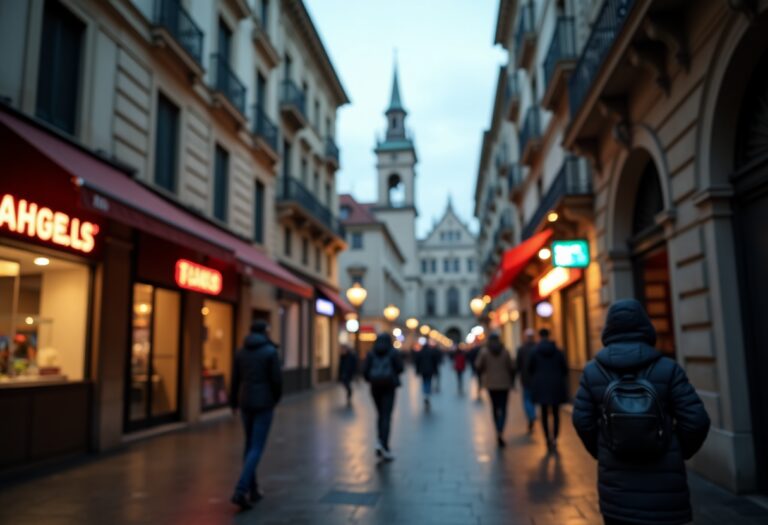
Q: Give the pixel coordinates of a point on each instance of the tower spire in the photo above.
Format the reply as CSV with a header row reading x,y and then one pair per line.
x,y
395,104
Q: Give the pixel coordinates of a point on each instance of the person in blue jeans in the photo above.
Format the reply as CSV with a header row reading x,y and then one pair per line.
x,y
256,390
427,364
523,359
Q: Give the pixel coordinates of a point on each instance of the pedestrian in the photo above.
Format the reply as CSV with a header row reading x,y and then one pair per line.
x,y
472,359
427,362
347,370
548,374
256,390
383,366
459,365
523,359
641,452
497,370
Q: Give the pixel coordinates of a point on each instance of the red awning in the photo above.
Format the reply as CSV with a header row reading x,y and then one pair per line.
x,y
336,299
112,193
514,261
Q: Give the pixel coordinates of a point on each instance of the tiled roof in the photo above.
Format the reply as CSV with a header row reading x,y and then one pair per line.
x,y
359,213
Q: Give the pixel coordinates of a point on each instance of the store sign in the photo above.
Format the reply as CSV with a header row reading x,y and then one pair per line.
x,y
198,278
324,307
570,254
556,279
39,222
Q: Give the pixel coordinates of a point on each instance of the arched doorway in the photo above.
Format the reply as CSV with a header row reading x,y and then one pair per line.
x,y
750,181
454,334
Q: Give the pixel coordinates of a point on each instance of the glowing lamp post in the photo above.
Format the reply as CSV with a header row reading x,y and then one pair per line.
x,y
412,323
356,296
391,313
477,305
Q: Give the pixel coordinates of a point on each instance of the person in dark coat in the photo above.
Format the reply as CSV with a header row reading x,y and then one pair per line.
x,y
523,360
347,370
548,374
427,363
651,491
382,369
256,389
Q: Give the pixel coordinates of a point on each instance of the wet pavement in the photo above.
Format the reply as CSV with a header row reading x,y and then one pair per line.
x,y
320,468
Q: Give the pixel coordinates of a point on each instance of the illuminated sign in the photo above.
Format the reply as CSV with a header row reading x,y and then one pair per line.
x,y
545,309
198,278
324,307
570,254
556,279
42,223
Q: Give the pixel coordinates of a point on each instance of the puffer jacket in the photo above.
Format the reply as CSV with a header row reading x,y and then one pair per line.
x,y
648,491
548,373
257,381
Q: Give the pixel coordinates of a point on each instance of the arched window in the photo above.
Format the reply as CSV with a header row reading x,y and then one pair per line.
x,y
453,300
649,201
395,191
431,302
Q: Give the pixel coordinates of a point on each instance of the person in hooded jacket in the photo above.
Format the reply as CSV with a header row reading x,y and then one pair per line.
x,y
256,389
382,369
497,370
548,375
650,491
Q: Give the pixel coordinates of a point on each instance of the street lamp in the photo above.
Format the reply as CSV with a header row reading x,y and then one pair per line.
x,y
477,305
356,295
424,329
412,323
391,313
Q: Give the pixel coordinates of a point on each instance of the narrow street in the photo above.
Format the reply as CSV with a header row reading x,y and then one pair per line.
x,y
320,468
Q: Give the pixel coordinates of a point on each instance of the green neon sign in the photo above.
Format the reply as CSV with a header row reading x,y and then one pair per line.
x,y
570,254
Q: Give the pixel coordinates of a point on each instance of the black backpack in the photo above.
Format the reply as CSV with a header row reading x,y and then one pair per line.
x,y
382,373
633,419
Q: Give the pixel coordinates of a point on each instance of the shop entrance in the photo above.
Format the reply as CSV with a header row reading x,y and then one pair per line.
x,y
218,351
155,361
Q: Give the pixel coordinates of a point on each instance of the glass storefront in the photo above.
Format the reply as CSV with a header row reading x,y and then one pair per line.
x,y
155,355
43,317
322,342
218,350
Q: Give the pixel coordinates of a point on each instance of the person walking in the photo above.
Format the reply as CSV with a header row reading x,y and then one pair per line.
x,y
347,370
459,365
383,366
497,370
427,362
472,358
641,474
256,390
523,359
548,375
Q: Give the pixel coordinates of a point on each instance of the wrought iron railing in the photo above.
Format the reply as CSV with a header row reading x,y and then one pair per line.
x,y
264,128
608,25
526,24
574,178
563,46
290,189
531,129
171,15
226,81
331,149
292,95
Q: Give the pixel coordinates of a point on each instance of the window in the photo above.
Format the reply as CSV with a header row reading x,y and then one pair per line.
x,y
318,259
258,212
220,183
470,264
304,171
328,196
453,300
261,92
166,140
433,263
344,212
225,41
424,266
316,183
217,353
265,15
328,265
317,115
286,159
456,265
287,242
431,302
59,74
305,251
446,265
357,240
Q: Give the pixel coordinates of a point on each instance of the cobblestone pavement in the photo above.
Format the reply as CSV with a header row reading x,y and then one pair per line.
x,y
320,468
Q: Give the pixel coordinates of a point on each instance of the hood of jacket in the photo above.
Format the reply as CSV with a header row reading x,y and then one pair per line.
x,y
254,341
546,348
383,344
628,337
495,346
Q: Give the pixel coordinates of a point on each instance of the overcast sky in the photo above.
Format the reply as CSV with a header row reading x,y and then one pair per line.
x,y
448,70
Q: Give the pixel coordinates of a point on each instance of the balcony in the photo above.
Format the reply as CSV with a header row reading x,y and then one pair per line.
x,y
571,193
559,63
331,152
515,181
176,31
298,202
530,136
512,97
263,42
293,105
228,90
525,36
266,133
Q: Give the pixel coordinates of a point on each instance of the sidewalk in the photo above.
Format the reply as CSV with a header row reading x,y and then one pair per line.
x,y
320,469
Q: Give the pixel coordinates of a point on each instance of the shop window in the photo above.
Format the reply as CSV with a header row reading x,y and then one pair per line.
x,y
43,318
166,140
155,357
453,300
220,183
58,78
431,302
258,213
322,342
218,350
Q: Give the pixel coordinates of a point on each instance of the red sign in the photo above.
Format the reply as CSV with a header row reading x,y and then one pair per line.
x,y
198,278
39,222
